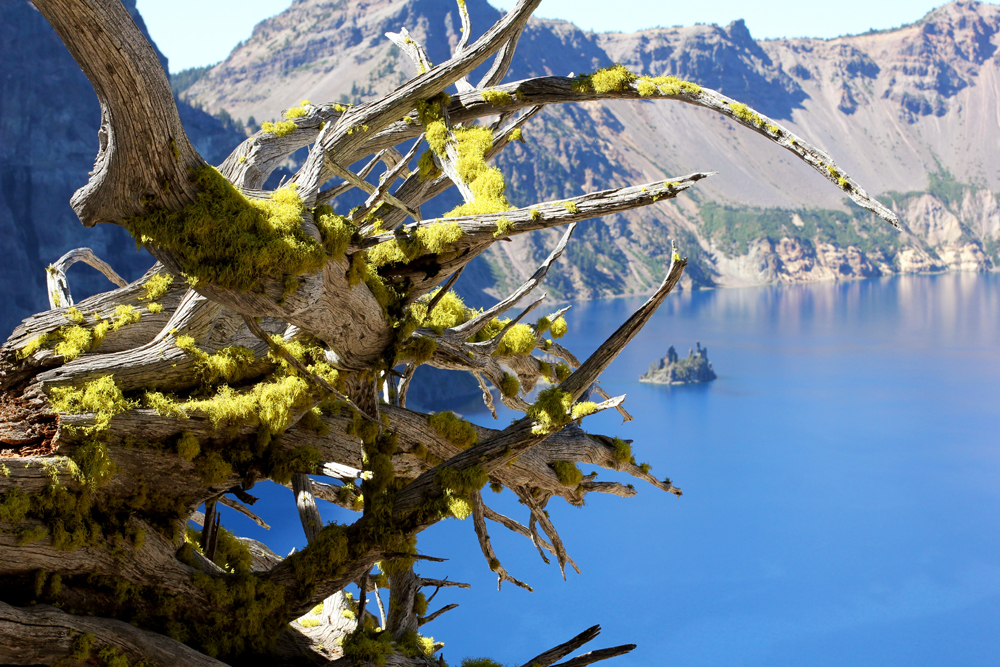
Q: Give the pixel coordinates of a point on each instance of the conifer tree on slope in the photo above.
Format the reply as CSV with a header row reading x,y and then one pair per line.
x,y
276,339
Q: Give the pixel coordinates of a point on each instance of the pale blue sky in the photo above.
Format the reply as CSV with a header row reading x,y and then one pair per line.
x,y
200,32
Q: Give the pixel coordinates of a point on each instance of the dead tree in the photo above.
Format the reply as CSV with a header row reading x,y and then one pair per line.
x,y
276,339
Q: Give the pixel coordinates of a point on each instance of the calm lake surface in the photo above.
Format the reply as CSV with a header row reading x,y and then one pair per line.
x,y
841,490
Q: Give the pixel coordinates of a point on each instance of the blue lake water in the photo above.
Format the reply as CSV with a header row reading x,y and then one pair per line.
x,y
841,490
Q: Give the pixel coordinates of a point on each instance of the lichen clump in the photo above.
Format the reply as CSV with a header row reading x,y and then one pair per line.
x,y
568,473
457,431
279,129
471,144
551,410
496,97
102,397
230,240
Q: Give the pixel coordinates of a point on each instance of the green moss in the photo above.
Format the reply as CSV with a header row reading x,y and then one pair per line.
x,y
279,129
519,339
497,97
156,286
559,328
510,385
571,206
496,487
616,78
584,408
232,241
621,452
568,473
645,467
102,397
457,431
551,410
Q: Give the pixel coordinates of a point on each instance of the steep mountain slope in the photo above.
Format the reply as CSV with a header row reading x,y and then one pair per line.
x,y
911,112
49,117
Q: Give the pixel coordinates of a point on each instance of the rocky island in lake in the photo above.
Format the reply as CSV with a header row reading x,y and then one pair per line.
x,y
671,369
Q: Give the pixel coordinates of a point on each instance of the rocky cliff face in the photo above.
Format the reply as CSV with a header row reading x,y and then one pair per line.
x,y
911,112
49,118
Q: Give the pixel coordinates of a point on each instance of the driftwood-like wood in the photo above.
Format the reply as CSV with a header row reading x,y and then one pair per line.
x,y
162,406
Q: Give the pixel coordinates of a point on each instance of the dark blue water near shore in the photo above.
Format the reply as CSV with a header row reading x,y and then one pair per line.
x,y
841,489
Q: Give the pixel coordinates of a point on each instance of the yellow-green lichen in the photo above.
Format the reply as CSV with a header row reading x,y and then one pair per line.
x,y
571,206
568,473
746,114
231,240
458,485
519,339
621,453
504,227
154,307
279,129
584,408
559,328
336,231
188,446
74,315
156,286
665,85
551,410
496,97
230,364
515,135
102,397
509,385
455,430
616,78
